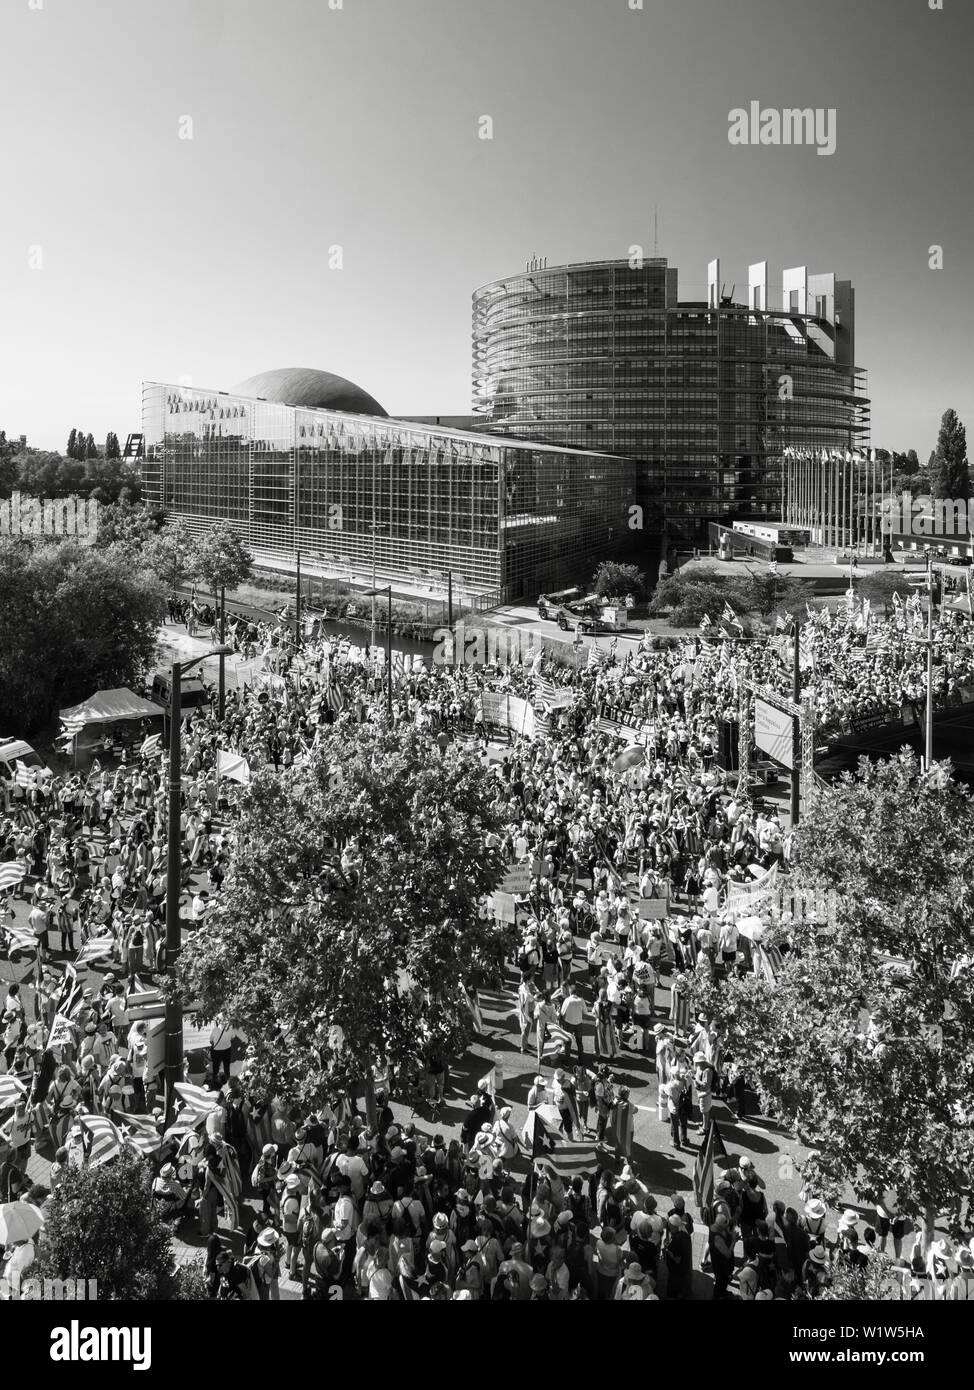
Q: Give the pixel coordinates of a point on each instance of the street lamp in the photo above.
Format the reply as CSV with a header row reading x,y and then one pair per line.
x,y
174,1011
373,594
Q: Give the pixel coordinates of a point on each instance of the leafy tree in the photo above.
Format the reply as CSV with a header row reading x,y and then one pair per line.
x,y
9,466
949,472
102,1224
173,553
224,560
872,1067
39,473
693,592
302,941
113,449
613,580
73,619
122,523
879,586
875,1283
768,592
72,449
91,448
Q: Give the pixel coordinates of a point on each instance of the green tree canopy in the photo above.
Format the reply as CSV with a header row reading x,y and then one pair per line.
x,y
949,472
223,559
73,620
613,580
173,553
102,1224
300,944
870,1064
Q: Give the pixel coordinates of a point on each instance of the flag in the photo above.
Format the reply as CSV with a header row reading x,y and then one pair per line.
x,y
71,995
541,1141
197,1101
779,624
227,1179
680,1011
102,1139
20,939
24,775
596,656
11,873
95,948
139,1131
731,618
11,1091
150,745
711,1148
705,622
334,697
557,1040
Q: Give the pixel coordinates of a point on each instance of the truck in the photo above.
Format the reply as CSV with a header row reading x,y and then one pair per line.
x,y
585,614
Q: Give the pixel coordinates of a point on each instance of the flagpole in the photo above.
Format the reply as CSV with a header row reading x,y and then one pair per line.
x,y
796,730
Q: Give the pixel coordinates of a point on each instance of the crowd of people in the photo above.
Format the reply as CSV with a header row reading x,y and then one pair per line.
x,y
388,1210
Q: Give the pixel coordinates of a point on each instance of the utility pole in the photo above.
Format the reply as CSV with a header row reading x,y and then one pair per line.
x,y
389,659
222,700
449,610
796,694
174,861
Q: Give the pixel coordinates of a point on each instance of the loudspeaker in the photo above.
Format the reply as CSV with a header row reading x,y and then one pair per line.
x,y
728,745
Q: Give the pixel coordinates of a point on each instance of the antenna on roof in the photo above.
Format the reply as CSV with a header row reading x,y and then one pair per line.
x,y
655,234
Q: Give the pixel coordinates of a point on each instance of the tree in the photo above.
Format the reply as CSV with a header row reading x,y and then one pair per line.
x,y
873,1065
613,580
949,472
879,586
768,592
173,554
694,592
72,449
224,560
306,949
91,448
9,467
112,447
73,619
101,1223
121,523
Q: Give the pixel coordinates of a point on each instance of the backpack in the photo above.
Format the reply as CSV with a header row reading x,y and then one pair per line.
x,y
290,1209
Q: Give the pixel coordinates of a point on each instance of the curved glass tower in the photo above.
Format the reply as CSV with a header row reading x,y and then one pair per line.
x,y
704,396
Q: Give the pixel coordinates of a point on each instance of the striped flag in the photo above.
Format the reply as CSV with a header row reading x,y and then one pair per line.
x,y
71,995
11,873
150,745
705,622
102,1139
24,775
680,1011
557,1040
711,1148
596,656
95,948
197,1101
334,697
140,1131
20,939
227,1180
11,1091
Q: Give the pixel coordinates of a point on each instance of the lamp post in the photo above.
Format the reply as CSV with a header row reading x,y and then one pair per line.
x,y
374,593
928,742
174,1011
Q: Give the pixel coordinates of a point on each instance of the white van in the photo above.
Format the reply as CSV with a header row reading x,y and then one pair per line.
x,y
14,749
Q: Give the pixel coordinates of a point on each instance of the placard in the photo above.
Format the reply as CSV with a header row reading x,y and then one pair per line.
x,y
774,733
517,880
654,909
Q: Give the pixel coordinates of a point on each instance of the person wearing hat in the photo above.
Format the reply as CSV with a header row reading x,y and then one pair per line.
x,y
721,1250
962,1285
267,1267
471,1273
812,1221
264,1180
634,1283
539,1289
169,1192
678,1257
816,1275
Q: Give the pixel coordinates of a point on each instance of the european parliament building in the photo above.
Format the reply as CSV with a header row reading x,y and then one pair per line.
x,y
300,460
704,395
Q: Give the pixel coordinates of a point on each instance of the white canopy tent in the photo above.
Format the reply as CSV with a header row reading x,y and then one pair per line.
x,y
107,706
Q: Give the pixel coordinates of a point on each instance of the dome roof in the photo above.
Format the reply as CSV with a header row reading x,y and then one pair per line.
x,y
304,386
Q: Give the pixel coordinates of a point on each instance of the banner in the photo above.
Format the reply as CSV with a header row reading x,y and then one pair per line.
x,y
774,733
517,880
653,909
744,897
505,711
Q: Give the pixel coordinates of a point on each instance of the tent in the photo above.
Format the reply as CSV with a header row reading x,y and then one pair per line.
x,y
106,706
959,605
232,766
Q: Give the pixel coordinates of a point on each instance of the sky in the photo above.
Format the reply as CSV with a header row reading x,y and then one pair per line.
x,y
137,245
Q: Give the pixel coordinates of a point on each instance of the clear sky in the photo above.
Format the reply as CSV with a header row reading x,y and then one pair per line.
x,y
163,258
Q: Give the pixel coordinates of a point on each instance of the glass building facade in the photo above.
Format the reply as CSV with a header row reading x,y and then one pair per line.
x,y
703,396
505,518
